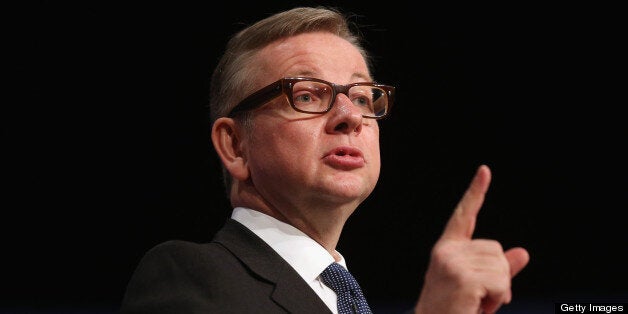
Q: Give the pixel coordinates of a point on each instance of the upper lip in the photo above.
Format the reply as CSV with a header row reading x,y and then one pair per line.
x,y
345,150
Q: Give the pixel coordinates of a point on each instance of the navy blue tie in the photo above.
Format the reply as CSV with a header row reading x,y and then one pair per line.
x,y
350,297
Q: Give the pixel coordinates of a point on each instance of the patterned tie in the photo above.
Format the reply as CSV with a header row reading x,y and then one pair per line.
x,y
350,297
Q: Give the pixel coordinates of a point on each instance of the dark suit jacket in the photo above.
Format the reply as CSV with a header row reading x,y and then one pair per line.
x,y
235,273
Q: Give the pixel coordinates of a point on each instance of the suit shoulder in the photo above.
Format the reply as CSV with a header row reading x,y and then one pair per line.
x,y
174,246
178,249
175,260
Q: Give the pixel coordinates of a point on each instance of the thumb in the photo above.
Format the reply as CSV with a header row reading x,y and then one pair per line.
x,y
517,258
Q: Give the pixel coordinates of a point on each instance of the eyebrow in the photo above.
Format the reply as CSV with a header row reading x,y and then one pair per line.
x,y
362,77
358,76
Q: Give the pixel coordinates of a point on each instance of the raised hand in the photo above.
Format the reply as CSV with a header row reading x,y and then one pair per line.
x,y
467,275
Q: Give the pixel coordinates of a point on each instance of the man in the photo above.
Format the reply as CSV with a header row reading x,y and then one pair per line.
x,y
294,122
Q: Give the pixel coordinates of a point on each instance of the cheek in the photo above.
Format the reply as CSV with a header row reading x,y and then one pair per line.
x,y
375,160
287,144
298,144
373,145
376,156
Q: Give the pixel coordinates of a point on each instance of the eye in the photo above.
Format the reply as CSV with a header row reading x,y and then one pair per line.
x,y
361,96
311,96
303,97
361,101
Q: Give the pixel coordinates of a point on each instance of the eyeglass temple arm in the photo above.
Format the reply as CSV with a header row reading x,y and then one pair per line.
x,y
258,98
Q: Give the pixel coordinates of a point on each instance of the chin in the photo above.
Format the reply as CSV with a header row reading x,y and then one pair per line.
x,y
349,193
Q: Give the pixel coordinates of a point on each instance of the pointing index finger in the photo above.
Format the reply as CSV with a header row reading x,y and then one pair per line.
x,y
461,224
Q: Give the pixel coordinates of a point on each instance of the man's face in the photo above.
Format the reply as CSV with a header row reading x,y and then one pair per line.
x,y
297,159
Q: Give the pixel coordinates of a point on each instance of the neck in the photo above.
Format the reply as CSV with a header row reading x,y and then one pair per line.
x,y
322,222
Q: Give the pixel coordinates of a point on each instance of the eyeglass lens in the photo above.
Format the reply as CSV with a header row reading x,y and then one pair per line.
x,y
316,97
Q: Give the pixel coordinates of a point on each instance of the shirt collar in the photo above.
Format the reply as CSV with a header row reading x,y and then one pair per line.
x,y
304,254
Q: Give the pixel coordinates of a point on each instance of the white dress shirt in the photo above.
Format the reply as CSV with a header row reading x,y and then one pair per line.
x,y
304,254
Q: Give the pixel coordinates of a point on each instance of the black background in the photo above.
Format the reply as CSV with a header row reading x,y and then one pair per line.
x,y
106,148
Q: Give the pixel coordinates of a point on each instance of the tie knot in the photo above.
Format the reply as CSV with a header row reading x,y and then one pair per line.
x,y
339,279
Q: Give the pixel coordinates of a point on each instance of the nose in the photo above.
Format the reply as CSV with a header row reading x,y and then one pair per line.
x,y
345,117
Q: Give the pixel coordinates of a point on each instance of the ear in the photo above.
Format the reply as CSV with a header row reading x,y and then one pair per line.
x,y
227,143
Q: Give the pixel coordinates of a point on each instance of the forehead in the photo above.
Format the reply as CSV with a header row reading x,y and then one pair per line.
x,y
318,54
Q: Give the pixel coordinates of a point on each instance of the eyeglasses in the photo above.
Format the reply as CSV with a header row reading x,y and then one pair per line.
x,y
310,95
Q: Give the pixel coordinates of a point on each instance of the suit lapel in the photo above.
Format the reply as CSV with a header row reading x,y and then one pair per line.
x,y
291,291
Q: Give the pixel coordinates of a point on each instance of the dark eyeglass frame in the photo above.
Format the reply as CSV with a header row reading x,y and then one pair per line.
x,y
284,86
